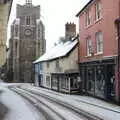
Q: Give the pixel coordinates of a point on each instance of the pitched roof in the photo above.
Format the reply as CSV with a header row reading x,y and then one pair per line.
x,y
60,50
90,1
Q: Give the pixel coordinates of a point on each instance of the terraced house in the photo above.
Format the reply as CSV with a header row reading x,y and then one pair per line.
x,y
57,69
98,51
5,9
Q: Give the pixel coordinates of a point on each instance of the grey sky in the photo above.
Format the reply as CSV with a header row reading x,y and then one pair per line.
x,y
54,14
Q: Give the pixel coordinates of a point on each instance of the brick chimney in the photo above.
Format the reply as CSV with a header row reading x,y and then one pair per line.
x,y
70,30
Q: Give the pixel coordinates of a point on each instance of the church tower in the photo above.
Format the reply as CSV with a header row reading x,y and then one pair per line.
x,y
28,41
29,2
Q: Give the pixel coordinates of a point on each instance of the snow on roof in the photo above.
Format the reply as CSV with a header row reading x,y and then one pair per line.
x,y
58,51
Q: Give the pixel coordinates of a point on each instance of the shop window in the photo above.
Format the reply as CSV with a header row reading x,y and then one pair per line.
x,y
48,80
90,82
74,82
100,79
54,82
65,83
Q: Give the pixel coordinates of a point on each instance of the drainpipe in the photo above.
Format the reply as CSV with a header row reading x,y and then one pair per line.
x,y
117,22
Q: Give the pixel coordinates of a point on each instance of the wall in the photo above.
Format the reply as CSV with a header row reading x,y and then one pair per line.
x,y
3,32
66,63
105,24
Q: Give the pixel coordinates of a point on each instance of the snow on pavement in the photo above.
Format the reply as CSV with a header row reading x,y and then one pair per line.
x,y
17,107
86,103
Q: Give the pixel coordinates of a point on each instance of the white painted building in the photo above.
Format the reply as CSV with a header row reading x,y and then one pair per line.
x,y
58,68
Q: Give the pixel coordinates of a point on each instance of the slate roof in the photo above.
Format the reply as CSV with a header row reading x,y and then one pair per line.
x,y
61,50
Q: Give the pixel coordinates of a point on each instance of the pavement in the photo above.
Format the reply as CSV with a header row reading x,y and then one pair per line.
x,y
17,107
101,108
3,111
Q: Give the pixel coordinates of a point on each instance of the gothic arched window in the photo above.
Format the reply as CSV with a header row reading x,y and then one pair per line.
x,y
16,30
28,20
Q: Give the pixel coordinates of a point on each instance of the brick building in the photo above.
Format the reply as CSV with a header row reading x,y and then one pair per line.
x,y
98,49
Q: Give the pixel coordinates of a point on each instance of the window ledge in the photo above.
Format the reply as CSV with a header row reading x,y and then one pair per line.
x,y
88,56
99,53
97,20
88,26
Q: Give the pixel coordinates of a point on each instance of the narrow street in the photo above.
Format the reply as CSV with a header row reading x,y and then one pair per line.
x,y
25,101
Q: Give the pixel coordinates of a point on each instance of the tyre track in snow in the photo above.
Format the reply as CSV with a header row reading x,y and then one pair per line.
x,y
49,113
82,115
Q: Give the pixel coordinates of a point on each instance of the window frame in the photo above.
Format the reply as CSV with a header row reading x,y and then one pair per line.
x,y
48,64
89,46
28,20
57,64
87,18
99,42
98,10
16,31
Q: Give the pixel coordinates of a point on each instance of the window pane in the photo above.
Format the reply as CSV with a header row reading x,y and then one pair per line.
x,y
16,31
98,10
28,20
99,38
89,47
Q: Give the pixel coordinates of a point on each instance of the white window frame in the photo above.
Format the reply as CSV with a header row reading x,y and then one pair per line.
x,y
98,10
89,47
99,39
87,18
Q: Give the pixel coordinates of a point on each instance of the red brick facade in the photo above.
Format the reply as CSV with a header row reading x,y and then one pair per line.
x,y
106,24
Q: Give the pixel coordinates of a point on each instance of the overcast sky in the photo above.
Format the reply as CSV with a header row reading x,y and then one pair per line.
x,y
54,14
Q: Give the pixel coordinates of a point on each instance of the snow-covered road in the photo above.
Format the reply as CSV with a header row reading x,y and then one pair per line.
x,y
21,110
18,108
91,105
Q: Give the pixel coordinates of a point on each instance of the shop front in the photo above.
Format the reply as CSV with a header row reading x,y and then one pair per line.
x,y
98,78
68,83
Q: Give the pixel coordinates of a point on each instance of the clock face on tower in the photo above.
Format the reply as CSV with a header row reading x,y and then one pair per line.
x,y
28,32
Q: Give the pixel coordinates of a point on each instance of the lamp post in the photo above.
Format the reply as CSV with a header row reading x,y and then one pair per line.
x,y
117,22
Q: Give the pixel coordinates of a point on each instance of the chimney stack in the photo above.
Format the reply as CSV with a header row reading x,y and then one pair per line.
x,y
70,30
